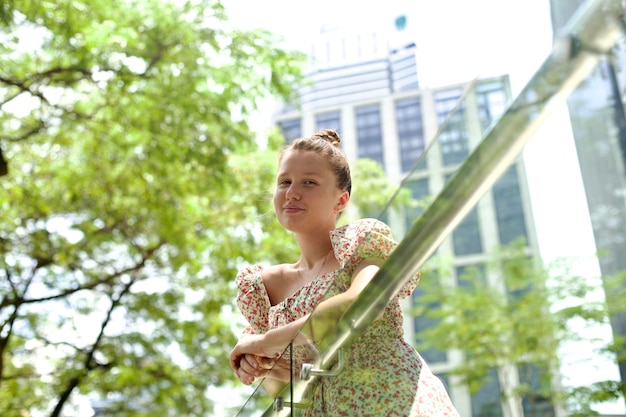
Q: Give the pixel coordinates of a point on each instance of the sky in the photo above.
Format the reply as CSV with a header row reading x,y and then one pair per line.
x,y
457,41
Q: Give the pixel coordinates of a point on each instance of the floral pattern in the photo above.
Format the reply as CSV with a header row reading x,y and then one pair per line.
x,y
383,375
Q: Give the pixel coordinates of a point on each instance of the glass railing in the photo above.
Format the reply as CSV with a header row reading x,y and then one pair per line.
x,y
592,33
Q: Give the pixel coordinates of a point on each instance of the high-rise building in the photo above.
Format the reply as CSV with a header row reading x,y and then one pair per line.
x,y
374,101
596,110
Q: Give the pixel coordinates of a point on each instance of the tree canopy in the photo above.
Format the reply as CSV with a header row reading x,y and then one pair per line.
x,y
509,319
132,189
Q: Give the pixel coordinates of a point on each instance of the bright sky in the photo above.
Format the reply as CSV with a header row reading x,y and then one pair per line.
x,y
457,41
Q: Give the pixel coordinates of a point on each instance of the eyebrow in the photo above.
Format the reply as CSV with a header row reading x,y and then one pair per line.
x,y
304,174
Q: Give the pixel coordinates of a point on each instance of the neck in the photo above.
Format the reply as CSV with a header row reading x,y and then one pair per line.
x,y
313,249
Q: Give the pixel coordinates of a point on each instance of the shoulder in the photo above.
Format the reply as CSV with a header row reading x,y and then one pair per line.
x,y
362,238
258,275
249,274
360,228
363,225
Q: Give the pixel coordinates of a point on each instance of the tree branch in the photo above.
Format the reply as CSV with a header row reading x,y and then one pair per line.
x,y
89,363
19,300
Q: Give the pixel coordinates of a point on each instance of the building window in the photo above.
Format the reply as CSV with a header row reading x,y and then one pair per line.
x,y
470,277
466,237
423,322
509,209
328,120
403,68
533,403
420,192
369,133
486,401
492,100
292,129
410,132
453,139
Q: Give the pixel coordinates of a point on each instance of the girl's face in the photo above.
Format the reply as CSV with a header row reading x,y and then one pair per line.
x,y
306,197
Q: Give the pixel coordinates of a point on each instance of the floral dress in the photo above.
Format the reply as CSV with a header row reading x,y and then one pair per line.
x,y
383,375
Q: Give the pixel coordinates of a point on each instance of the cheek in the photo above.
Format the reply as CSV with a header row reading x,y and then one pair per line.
x,y
277,197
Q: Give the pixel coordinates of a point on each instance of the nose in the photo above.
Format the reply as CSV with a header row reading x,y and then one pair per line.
x,y
292,193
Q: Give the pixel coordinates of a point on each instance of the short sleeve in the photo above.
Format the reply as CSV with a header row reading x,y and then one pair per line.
x,y
252,299
367,238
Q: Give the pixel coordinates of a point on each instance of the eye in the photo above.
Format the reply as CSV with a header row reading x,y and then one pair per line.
x,y
284,182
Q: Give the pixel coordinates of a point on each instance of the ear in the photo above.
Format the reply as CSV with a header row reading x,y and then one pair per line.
x,y
342,202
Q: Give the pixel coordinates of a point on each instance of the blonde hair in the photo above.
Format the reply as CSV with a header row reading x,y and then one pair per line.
x,y
325,143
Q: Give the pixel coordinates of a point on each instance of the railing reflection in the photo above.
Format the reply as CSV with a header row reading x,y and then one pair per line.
x,y
591,33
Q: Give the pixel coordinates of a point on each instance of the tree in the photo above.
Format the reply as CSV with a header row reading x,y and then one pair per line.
x,y
512,328
129,199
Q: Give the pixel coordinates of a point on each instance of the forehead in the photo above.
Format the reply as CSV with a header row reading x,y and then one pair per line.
x,y
303,162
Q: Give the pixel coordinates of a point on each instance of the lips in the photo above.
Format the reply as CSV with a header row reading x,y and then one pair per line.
x,y
292,209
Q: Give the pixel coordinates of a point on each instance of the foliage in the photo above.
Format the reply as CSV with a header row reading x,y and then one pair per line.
x,y
513,315
130,199
373,195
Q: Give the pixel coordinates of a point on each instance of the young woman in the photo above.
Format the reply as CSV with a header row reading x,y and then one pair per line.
x,y
383,375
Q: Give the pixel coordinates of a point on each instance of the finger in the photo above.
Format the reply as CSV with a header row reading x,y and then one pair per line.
x,y
265,363
252,360
245,378
235,359
250,366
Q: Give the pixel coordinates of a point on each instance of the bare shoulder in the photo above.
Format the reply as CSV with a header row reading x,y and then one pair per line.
x,y
278,282
273,273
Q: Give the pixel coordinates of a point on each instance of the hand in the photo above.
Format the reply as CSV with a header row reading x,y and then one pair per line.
x,y
252,367
268,345
255,345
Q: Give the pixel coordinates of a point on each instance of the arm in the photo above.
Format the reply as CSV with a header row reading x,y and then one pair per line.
x,y
324,318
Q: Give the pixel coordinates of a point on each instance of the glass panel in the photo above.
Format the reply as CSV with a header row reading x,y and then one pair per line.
x,y
486,401
419,191
534,403
466,238
369,133
292,129
321,341
424,322
509,209
410,132
453,140
470,276
328,120
492,101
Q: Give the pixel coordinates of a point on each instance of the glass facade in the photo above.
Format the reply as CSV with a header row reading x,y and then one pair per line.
x,y
410,132
453,141
424,322
468,276
369,133
509,208
291,128
491,98
328,120
419,191
534,404
486,401
466,239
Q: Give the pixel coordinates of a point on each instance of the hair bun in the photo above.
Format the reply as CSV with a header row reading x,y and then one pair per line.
x,y
329,135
